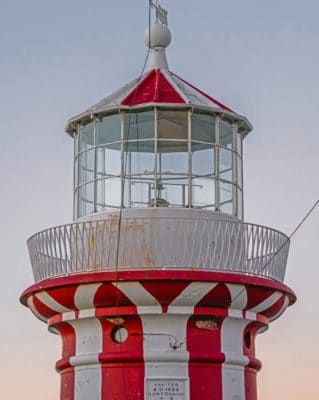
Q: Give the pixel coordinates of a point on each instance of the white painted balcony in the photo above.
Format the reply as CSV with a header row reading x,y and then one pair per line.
x,y
159,239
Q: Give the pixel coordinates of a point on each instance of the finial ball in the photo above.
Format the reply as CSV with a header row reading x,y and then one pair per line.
x,y
160,36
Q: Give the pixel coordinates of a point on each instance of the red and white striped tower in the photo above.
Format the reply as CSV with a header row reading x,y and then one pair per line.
x,y
158,288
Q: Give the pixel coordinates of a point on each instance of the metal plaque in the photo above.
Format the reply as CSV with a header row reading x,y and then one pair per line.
x,y
166,389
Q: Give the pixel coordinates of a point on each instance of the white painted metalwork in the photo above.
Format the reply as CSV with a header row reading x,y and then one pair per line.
x,y
159,239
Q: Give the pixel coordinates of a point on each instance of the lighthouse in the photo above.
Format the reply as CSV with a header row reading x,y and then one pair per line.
x,y
159,287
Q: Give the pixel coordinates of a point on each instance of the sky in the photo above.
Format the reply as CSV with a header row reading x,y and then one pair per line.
x,y
260,58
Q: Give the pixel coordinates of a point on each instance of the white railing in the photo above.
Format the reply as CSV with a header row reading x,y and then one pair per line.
x,y
159,243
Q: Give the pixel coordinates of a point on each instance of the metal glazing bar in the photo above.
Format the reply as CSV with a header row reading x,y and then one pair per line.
x,y
95,167
190,189
216,151
155,152
76,175
242,178
122,115
234,172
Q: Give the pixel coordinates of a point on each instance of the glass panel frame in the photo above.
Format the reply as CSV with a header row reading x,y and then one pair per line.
x,y
172,152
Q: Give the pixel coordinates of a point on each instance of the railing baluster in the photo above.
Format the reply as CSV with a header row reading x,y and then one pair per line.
x,y
188,243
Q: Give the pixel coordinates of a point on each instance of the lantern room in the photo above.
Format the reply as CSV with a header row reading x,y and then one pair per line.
x,y
158,142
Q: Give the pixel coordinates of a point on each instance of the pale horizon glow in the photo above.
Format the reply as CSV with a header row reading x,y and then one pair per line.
x,y
60,57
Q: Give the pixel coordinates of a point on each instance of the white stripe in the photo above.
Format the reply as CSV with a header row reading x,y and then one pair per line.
x,y
267,303
192,294
235,313
251,316
165,352
233,370
46,299
89,341
238,295
87,383
137,294
84,296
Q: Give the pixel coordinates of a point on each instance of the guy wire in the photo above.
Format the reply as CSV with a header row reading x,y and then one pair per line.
x,y
125,148
296,229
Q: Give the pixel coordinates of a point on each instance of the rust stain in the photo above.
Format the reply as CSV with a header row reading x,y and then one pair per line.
x,y
119,321
208,324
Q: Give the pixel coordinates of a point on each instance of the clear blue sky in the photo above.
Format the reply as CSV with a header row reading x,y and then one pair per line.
x,y
58,57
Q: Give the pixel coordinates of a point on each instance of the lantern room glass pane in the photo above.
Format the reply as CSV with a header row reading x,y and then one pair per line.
x,y
226,134
108,160
139,126
109,192
139,158
86,167
227,208
138,191
226,192
172,192
203,128
85,201
108,129
86,136
172,124
203,159
203,193
172,158
225,164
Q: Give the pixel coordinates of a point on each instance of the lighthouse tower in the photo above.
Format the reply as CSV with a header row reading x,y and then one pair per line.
x,y
158,288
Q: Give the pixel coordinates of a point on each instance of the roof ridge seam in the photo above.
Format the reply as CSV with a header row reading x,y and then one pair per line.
x,y
169,78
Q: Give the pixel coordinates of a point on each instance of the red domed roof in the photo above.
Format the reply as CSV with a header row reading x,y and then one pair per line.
x,y
160,86
157,86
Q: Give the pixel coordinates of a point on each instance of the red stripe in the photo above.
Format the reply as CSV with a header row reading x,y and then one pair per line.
x,y
63,296
42,309
164,293
255,297
122,363
108,295
68,336
254,365
154,88
205,357
219,296
67,384
275,308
